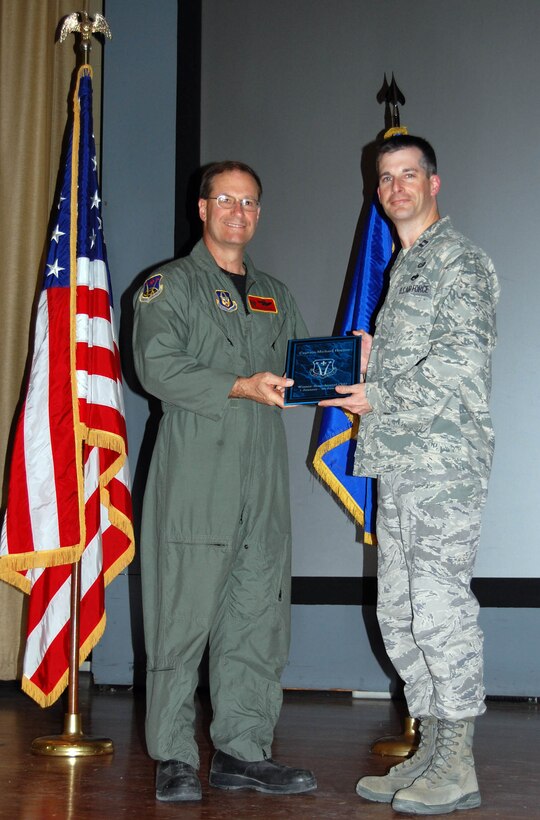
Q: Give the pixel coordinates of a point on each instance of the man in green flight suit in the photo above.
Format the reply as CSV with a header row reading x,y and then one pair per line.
x,y
210,335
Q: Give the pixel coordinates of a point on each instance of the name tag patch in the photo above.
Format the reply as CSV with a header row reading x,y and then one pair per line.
x,y
418,289
262,304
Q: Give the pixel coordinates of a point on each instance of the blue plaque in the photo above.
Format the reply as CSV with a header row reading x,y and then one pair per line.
x,y
318,365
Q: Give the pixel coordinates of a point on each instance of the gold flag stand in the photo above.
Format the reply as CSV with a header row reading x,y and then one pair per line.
x,y
72,742
399,745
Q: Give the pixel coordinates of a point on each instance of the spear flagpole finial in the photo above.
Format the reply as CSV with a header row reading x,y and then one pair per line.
x,y
394,97
391,95
78,22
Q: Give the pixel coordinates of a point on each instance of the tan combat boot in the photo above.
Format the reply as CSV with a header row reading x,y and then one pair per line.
x,y
382,789
449,782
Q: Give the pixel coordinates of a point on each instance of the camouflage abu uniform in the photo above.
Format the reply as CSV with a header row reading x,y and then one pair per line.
x,y
429,440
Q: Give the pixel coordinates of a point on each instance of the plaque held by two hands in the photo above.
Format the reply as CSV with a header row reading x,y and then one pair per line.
x,y
318,365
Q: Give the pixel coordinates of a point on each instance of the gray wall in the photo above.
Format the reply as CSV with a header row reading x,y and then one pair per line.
x,y
138,159
138,192
290,87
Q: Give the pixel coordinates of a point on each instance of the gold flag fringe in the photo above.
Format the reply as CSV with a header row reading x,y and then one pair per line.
x,y
392,132
11,565
47,700
327,477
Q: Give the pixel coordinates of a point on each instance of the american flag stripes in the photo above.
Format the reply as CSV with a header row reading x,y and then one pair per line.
x,y
69,487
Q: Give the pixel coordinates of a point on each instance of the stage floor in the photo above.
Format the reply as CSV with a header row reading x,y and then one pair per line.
x,y
328,732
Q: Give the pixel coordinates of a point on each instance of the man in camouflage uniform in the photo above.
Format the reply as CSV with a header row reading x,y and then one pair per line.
x,y
426,434
210,340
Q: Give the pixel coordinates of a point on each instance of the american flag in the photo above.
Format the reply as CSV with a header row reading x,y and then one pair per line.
x,y
69,493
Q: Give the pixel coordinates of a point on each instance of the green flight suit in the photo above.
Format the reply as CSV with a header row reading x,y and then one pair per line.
x,y
216,533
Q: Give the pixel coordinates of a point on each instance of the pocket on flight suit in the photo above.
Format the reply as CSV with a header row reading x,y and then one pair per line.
x,y
262,594
193,575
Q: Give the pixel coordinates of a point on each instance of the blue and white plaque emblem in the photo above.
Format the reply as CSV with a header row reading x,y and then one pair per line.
x,y
323,368
224,301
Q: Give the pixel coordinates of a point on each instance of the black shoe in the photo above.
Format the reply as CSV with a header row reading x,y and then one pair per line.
x,y
176,781
262,775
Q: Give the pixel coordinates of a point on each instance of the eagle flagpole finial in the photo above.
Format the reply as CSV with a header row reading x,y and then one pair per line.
x,y
80,23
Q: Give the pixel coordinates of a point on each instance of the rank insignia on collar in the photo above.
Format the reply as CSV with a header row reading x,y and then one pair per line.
x,y
224,301
262,304
151,288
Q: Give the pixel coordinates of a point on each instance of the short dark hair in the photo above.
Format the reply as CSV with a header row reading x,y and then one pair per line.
x,y
214,168
400,141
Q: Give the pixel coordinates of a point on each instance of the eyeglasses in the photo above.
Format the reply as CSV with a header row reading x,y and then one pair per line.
x,y
228,202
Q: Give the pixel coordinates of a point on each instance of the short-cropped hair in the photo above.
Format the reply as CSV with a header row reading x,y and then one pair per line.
x,y
400,141
226,166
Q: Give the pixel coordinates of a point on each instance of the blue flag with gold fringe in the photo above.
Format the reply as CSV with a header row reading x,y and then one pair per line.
x,y
334,457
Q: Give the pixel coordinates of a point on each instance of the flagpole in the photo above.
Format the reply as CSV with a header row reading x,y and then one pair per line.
x,y
405,744
72,742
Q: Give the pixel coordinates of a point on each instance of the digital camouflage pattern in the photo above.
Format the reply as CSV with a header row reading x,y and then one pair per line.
x,y
429,439
428,529
429,374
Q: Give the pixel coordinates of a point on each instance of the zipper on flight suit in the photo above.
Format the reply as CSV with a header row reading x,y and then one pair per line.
x,y
247,323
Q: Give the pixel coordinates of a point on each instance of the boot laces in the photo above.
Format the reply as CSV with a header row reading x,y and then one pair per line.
x,y
413,760
448,741
405,764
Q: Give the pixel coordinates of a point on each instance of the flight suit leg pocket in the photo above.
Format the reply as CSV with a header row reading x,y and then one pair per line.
x,y
193,575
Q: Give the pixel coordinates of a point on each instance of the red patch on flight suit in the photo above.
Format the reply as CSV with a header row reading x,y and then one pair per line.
x,y
262,304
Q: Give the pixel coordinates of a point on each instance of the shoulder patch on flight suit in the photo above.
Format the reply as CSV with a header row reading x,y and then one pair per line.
x,y
262,304
224,301
151,288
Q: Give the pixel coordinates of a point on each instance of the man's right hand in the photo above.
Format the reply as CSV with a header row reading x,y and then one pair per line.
x,y
354,401
265,388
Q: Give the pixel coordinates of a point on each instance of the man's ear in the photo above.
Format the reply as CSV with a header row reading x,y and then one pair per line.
x,y
435,184
202,210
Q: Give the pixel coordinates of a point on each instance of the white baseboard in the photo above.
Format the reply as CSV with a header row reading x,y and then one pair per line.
x,y
360,694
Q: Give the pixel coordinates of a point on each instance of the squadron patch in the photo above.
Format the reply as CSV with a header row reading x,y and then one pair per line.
x,y
262,304
151,288
225,302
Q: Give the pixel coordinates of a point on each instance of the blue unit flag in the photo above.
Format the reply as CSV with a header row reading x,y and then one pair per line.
x,y
334,457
